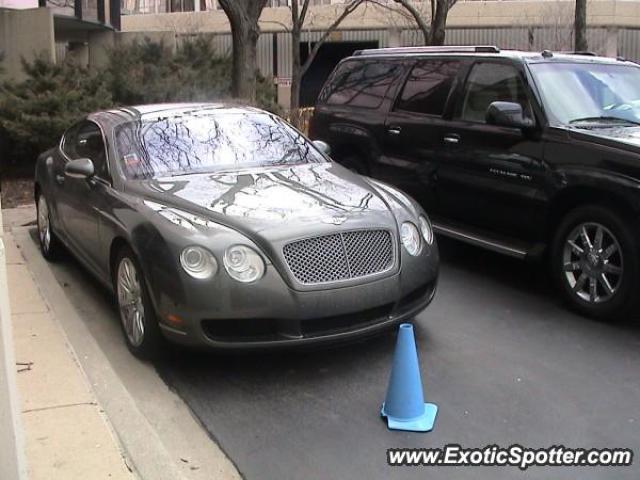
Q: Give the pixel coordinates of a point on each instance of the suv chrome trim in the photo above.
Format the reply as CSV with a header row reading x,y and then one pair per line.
x,y
475,239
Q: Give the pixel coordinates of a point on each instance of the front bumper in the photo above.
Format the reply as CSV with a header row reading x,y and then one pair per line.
x,y
267,333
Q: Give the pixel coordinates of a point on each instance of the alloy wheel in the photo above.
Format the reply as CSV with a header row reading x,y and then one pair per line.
x,y
130,301
592,262
44,225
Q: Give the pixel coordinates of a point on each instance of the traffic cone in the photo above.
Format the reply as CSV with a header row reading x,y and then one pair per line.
x,y
404,406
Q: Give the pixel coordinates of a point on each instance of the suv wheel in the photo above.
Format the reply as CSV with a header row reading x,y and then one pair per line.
x,y
595,261
137,316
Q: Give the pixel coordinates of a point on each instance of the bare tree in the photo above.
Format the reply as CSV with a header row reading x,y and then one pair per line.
x,y
433,27
580,27
299,14
243,16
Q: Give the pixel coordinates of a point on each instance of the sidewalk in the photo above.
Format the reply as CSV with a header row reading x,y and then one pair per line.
x,y
66,434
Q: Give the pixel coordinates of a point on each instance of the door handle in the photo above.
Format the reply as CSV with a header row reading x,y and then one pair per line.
x,y
60,179
452,139
394,130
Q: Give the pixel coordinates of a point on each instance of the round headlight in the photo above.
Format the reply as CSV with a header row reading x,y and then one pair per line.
x,y
198,262
410,238
243,264
426,229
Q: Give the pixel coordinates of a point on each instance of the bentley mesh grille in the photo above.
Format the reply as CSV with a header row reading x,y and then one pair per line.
x,y
340,256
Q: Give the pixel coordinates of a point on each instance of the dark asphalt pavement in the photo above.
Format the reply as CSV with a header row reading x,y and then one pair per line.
x,y
503,359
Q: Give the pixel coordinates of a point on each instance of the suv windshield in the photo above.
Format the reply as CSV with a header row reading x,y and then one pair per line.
x,y
206,142
592,93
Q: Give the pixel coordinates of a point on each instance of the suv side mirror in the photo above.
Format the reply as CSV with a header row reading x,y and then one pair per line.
x,y
507,114
80,168
322,146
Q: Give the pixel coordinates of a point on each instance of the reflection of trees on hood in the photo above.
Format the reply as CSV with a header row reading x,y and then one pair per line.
x,y
319,190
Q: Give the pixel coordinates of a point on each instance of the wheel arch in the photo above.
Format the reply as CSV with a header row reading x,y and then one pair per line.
x,y
573,197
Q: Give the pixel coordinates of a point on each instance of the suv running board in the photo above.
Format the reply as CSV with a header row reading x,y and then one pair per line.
x,y
510,247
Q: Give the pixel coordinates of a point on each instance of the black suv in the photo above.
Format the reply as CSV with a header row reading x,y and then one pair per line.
x,y
528,154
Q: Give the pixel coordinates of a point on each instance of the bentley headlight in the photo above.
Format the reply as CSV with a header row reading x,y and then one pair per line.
x,y
198,262
410,238
243,264
426,229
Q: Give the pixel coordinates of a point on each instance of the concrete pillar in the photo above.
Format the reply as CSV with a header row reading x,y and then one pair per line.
x,y
12,463
611,42
394,36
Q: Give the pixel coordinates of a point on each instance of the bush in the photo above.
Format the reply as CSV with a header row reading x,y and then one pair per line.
x,y
35,113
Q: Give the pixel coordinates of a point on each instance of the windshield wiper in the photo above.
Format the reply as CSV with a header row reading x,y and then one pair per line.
x,y
603,118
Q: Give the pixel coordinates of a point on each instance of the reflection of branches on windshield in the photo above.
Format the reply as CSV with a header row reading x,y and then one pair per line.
x,y
213,142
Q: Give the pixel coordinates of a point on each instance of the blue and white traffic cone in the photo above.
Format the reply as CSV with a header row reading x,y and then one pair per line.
x,y
404,406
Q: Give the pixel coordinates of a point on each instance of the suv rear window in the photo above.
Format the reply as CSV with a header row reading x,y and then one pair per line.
x,y
428,86
360,83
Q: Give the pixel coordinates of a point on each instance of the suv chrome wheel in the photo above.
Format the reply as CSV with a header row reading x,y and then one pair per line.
x,y
130,301
592,262
44,226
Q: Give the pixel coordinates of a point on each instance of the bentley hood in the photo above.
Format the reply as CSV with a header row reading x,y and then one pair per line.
x,y
280,198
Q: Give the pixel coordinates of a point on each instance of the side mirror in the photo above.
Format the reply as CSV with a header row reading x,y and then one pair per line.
x,y
322,146
507,114
80,168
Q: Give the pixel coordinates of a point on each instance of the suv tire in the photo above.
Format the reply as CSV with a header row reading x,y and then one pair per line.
x,y
595,262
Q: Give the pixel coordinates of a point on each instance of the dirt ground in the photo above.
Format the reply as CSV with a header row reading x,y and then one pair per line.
x,y
16,191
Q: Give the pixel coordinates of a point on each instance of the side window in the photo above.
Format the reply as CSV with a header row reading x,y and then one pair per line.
x,y
492,82
85,141
428,86
360,83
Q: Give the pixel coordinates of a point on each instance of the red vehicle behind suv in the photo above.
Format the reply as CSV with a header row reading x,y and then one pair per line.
x,y
528,154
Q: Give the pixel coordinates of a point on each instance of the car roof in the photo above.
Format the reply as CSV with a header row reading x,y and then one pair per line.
x,y
155,111
487,51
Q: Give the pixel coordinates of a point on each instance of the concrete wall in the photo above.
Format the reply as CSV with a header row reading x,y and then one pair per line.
x,y
12,464
25,33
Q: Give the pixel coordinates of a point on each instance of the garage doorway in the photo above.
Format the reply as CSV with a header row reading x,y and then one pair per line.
x,y
328,56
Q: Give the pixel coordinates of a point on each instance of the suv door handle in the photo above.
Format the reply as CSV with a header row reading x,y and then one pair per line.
x,y
394,130
452,139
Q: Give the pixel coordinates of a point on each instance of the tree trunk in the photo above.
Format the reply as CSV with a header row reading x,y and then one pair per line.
x,y
439,22
243,77
580,27
243,17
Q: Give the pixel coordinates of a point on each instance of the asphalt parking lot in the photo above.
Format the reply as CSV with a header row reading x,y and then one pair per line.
x,y
502,358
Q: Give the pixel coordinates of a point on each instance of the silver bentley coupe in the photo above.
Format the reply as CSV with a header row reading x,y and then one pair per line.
x,y
224,227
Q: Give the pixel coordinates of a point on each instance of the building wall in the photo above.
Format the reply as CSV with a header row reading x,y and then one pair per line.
x,y
464,14
25,33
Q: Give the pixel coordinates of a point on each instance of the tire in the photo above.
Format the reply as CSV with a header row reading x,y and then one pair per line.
x,y
50,245
138,319
354,163
596,275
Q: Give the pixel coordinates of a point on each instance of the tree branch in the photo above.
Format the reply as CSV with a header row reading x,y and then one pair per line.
x,y
350,8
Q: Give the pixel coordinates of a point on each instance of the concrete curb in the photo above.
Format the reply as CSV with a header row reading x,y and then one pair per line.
x,y
139,441
12,460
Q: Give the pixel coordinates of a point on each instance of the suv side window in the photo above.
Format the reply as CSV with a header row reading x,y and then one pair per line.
x,y
84,140
360,83
492,82
428,86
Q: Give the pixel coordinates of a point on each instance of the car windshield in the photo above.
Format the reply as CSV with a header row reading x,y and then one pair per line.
x,y
209,141
589,93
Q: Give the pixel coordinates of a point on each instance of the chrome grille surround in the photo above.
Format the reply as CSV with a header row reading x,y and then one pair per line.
x,y
340,256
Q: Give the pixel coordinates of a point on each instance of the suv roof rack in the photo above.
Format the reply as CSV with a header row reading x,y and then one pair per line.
x,y
581,52
445,49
